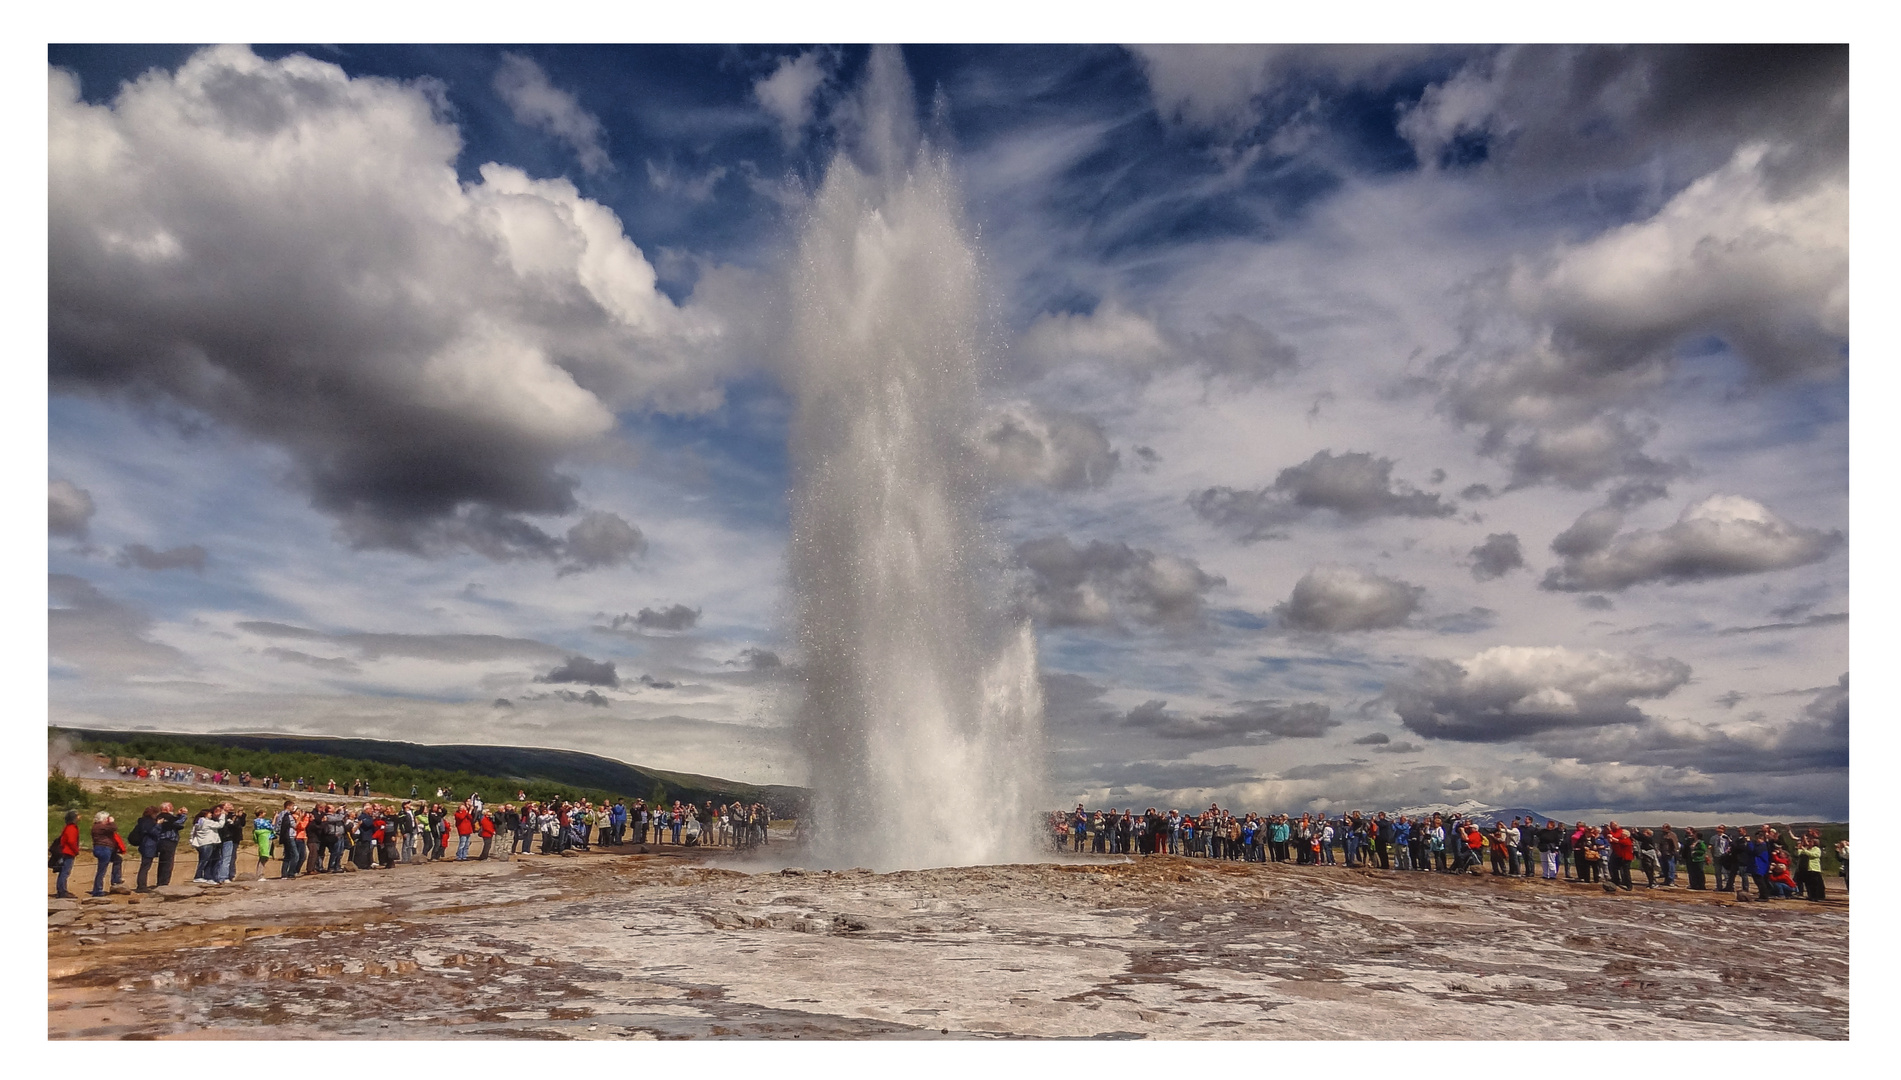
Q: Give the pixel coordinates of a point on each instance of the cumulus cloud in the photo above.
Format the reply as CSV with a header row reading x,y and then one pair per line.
x,y
1356,486
580,669
1235,348
600,539
672,619
1814,740
100,635
1721,536
69,509
592,697
541,105
1248,721
1378,738
1514,692
1332,599
1103,584
1499,555
288,251
790,93
1562,348
188,557
1058,450
757,659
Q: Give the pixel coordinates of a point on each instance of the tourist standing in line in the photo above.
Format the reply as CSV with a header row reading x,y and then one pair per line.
x,y
1695,851
1808,865
170,823
464,831
144,837
66,849
1668,850
263,831
205,840
106,849
228,835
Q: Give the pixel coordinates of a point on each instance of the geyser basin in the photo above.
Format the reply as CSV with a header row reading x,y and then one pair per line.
x,y
922,714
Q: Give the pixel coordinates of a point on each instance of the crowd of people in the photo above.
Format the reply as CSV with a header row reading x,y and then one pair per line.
x,y
242,778
329,838
1779,867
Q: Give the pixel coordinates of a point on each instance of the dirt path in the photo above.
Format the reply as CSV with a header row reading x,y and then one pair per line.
x,y
683,944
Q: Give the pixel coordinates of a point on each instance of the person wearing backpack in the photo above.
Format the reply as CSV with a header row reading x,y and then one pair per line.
x,y
144,837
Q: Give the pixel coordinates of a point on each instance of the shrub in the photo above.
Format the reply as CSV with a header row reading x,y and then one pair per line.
x,y
63,791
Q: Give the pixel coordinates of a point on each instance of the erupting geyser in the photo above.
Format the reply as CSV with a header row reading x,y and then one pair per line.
x,y
922,714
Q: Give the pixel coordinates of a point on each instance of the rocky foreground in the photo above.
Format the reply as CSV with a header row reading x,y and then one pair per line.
x,y
687,945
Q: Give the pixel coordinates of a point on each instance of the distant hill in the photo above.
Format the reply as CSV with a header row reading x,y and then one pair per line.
x,y
520,765
1485,816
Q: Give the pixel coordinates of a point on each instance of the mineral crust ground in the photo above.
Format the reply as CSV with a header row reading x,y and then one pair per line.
x,y
689,944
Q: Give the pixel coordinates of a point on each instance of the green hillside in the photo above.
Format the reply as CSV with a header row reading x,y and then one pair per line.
x,y
393,767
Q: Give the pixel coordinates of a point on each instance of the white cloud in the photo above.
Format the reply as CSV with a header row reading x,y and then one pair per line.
x,y
1111,335
1720,536
540,104
1219,87
1513,692
1332,598
288,250
790,93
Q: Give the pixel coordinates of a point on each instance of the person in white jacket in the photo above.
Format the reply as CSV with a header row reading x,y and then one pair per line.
x,y
205,829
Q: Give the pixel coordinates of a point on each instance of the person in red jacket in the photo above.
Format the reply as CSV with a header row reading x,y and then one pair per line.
x,y
488,834
1623,850
66,849
464,828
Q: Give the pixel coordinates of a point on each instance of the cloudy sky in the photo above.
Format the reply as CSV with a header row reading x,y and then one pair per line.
x,y
1367,427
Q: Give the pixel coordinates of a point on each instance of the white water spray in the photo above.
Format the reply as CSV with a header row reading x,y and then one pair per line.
x,y
922,715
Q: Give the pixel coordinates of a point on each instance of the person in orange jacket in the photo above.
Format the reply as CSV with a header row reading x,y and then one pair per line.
x,y
1623,850
65,850
464,829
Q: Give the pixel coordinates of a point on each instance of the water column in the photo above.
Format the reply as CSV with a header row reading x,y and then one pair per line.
x,y
922,714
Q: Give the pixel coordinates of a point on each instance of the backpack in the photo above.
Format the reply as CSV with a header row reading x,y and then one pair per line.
x,y
53,855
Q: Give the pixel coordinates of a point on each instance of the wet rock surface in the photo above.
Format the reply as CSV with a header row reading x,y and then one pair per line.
x,y
670,946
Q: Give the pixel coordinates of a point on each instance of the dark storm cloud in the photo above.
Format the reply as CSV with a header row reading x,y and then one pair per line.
x,y
1720,536
1103,584
1499,555
676,618
288,252
69,509
1356,486
1337,599
652,683
1058,450
444,648
1515,692
1249,721
580,669
1399,748
188,557
100,635
1378,738
592,697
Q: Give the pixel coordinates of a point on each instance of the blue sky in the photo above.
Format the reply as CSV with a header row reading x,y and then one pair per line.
x,y
1368,426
